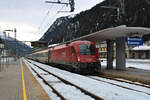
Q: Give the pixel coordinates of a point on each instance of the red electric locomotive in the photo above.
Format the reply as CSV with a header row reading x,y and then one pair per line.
x,y
79,56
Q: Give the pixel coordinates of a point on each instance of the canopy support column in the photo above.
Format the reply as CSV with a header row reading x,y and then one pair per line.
x,y
110,54
120,54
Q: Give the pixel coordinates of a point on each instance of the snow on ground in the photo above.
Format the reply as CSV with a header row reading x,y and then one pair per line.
x,y
132,86
141,47
68,91
137,63
104,90
132,82
47,89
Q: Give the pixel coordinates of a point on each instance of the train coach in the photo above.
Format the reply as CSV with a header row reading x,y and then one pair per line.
x,y
78,56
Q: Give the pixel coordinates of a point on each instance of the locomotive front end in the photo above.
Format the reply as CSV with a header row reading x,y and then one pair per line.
x,y
87,57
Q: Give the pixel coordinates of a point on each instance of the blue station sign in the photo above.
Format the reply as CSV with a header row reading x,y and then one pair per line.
x,y
134,41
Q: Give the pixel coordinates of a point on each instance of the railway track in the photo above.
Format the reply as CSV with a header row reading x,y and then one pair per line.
x,y
95,88
122,86
93,96
126,81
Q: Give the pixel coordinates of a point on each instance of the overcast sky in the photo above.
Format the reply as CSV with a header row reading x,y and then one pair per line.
x,y
31,17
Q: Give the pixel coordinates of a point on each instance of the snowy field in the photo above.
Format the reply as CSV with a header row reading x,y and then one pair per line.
x,y
137,63
105,90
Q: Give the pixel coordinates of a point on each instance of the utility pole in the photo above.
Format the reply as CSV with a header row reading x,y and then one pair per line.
x,y
15,31
122,9
4,55
1,53
5,51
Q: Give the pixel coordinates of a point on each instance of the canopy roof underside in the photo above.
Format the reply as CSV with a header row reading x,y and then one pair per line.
x,y
116,32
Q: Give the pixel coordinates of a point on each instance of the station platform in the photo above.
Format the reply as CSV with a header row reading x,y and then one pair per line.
x,y
132,74
18,83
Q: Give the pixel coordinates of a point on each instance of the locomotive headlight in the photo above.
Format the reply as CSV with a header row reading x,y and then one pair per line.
x,y
78,58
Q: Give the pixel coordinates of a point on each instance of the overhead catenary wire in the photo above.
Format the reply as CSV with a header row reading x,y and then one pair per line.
x,y
43,28
45,17
48,24
57,12
47,14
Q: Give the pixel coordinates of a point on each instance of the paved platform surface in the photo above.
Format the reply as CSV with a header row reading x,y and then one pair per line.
x,y
11,87
132,74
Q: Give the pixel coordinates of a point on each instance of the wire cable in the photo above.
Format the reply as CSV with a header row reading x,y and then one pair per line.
x,y
45,17
48,24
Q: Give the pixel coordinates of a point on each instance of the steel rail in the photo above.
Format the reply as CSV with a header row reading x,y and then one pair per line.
x,y
61,96
119,85
67,82
143,85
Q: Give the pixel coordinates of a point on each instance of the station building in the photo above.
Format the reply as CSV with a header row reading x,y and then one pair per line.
x,y
138,52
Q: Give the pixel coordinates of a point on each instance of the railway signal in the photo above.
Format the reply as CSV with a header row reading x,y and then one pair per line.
x,y
71,3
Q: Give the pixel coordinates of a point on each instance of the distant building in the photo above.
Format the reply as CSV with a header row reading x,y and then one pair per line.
x,y
39,44
139,52
102,50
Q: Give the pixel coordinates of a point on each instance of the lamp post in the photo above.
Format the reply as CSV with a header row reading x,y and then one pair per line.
x,y
4,51
15,31
6,48
5,55
1,48
15,41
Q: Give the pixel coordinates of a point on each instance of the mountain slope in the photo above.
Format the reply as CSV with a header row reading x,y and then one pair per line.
x,y
137,13
56,30
21,48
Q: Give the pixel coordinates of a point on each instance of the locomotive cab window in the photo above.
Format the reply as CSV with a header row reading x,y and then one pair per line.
x,y
86,49
73,50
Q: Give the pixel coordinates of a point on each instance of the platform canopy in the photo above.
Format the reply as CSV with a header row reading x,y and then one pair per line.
x,y
115,32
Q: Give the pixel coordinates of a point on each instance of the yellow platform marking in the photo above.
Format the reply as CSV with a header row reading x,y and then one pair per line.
x,y
23,83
